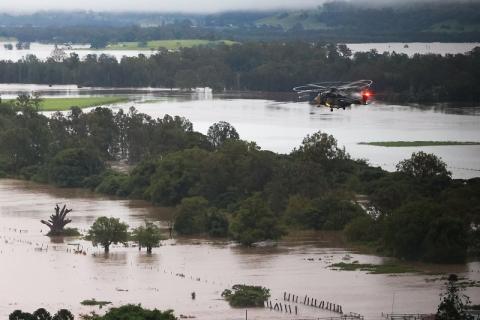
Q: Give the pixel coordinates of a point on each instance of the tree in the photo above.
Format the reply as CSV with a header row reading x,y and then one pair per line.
x,y
244,296
106,231
147,236
363,229
42,314
24,100
63,314
58,221
36,100
217,223
20,315
454,303
70,167
220,132
320,147
255,222
423,165
191,216
131,311
406,228
446,241
17,148
98,42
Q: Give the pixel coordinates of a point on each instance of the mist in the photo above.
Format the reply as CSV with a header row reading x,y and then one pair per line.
x,y
185,6
204,6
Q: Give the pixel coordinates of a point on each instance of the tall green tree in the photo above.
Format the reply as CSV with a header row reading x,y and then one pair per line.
x,y
254,222
106,231
70,167
147,236
220,132
320,147
423,165
191,216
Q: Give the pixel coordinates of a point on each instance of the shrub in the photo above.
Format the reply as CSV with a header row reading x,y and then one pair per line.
x,y
244,296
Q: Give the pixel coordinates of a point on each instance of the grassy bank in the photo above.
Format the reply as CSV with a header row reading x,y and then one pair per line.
x,y
62,104
93,302
168,44
373,268
419,143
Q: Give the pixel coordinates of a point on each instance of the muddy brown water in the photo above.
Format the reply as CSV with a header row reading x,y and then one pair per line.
x,y
38,272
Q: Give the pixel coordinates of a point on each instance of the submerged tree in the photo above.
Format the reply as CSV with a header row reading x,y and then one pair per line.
x,y
58,221
106,231
244,296
147,236
454,303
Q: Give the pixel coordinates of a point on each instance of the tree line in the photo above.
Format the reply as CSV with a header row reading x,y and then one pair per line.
x,y
265,67
224,186
334,21
128,311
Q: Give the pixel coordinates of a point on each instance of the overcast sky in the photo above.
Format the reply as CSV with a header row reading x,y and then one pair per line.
x,y
153,5
201,6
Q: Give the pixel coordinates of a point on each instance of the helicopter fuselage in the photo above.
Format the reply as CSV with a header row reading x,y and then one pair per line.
x,y
335,100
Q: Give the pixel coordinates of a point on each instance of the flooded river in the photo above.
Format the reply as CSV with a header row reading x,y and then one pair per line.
x,y
279,123
44,50
411,48
36,272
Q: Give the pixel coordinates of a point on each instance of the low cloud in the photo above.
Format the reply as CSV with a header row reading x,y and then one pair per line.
x,y
202,6
188,6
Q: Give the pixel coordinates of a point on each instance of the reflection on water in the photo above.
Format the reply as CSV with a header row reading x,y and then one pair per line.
x,y
38,273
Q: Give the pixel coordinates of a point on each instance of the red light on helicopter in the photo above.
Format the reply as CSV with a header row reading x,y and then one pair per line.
x,y
366,93
365,96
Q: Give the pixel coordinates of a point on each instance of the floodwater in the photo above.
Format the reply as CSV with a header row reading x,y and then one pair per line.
x,y
42,51
280,123
37,272
411,48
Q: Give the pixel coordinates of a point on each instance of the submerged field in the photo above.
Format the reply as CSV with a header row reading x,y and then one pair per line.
x,y
167,44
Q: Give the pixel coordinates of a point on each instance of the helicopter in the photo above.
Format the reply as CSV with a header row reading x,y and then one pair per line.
x,y
336,95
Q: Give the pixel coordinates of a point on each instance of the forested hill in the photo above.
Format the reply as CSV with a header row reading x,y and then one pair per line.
x,y
333,21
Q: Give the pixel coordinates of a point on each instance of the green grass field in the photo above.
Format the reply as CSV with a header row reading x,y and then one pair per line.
x,y
419,143
168,44
308,20
62,104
